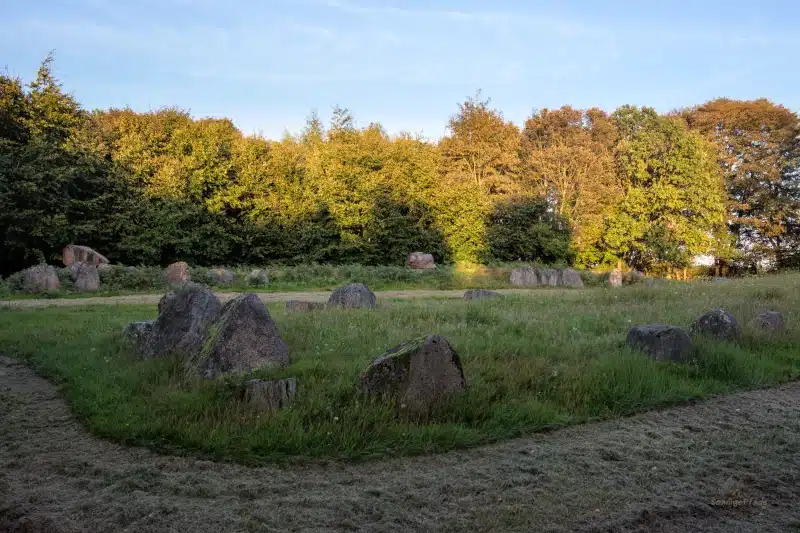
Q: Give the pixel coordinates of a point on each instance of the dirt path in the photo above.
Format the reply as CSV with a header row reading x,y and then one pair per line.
x,y
660,471
266,297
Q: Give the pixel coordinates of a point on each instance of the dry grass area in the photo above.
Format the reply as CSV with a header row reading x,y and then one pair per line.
x,y
730,464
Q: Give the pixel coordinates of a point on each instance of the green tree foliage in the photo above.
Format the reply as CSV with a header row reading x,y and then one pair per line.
x,y
577,185
568,158
759,152
673,200
526,229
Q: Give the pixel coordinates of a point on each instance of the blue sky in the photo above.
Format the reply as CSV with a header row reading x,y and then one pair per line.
x,y
267,64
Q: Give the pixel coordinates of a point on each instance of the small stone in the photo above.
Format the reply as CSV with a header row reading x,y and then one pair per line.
x,y
353,296
768,322
298,306
481,294
718,324
137,333
661,342
270,395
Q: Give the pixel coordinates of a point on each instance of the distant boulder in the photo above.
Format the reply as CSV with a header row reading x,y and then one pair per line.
x,y
661,342
569,277
420,260
633,277
40,278
298,306
717,324
220,276
353,296
548,277
244,338
178,273
417,374
524,277
768,322
614,278
183,322
257,278
481,294
74,253
87,278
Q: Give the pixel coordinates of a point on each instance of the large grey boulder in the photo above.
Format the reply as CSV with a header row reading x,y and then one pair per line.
x,y
717,324
614,278
137,333
87,278
481,294
420,260
244,338
353,296
165,301
183,322
768,322
257,278
74,253
178,273
661,342
570,277
417,374
524,277
548,277
40,278
298,306
220,276
270,395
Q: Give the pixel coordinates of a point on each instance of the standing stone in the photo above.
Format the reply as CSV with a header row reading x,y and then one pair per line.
x,y
570,277
481,294
661,342
40,278
243,339
353,296
257,278
183,322
221,276
419,260
270,395
87,279
165,301
74,253
137,333
717,324
524,277
297,306
768,322
178,273
418,374
614,278
548,277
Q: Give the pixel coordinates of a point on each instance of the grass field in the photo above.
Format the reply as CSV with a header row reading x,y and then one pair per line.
x,y
532,362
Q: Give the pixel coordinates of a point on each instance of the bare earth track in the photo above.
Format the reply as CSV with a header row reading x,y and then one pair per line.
x,y
266,297
729,464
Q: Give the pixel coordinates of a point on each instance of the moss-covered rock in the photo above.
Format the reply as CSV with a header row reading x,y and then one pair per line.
x,y
417,374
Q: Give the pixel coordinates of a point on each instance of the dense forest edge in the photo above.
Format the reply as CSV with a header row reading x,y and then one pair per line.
x,y
572,186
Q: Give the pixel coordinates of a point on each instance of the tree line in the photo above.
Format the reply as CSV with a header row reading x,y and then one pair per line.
x,y
572,186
